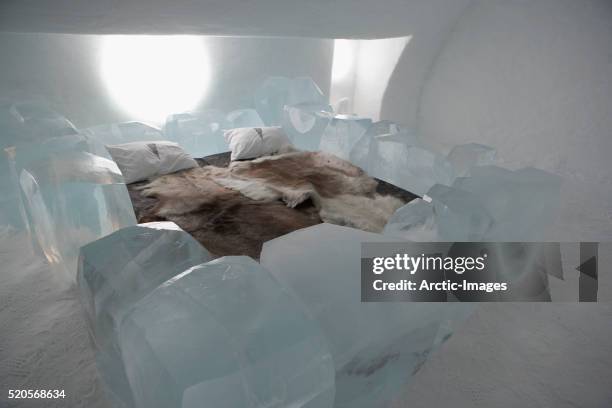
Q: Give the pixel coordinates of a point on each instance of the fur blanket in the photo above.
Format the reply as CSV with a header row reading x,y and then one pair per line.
x,y
234,210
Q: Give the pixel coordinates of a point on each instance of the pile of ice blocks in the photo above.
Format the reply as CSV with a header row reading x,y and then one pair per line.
x,y
199,133
298,105
342,133
376,347
64,188
492,204
118,270
173,329
126,132
22,124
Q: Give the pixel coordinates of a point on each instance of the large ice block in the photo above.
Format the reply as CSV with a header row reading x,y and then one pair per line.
x,y
413,168
343,132
379,143
243,118
225,334
126,132
459,215
464,157
305,90
270,99
118,270
522,202
28,122
199,133
376,346
71,197
415,221
305,123
275,93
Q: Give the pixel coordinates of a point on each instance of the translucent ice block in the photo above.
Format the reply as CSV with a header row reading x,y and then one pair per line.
x,y
29,122
199,133
270,99
115,272
305,90
521,202
305,123
118,133
243,118
413,168
225,334
464,157
343,132
459,215
414,221
376,346
71,197
379,143
277,92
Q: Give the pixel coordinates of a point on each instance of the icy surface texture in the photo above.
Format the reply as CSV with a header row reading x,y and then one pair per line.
x,y
376,347
305,123
23,124
464,157
414,221
270,99
459,214
413,168
380,142
115,272
522,202
199,133
70,197
303,110
30,122
343,132
493,204
225,334
444,214
118,133
243,118
275,93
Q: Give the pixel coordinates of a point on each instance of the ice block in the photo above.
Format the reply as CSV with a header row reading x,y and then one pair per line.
x,y
199,133
459,215
413,168
415,221
270,99
304,89
343,132
243,118
376,347
118,270
464,157
28,122
225,334
71,197
379,142
305,123
522,202
126,132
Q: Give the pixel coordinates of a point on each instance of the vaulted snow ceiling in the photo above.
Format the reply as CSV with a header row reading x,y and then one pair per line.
x,y
303,18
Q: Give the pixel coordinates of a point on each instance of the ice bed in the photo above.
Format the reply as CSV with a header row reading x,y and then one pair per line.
x,y
230,223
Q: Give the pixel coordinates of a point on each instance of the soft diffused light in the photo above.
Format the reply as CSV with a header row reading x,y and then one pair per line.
x,y
151,77
345,52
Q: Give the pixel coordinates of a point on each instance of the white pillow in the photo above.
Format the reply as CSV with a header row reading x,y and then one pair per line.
x,y
142,160
250,143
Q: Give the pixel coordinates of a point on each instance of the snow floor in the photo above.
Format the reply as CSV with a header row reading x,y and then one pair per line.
x,y
506,355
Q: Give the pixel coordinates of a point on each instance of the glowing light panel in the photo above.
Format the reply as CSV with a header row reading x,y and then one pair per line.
x,y
151,77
